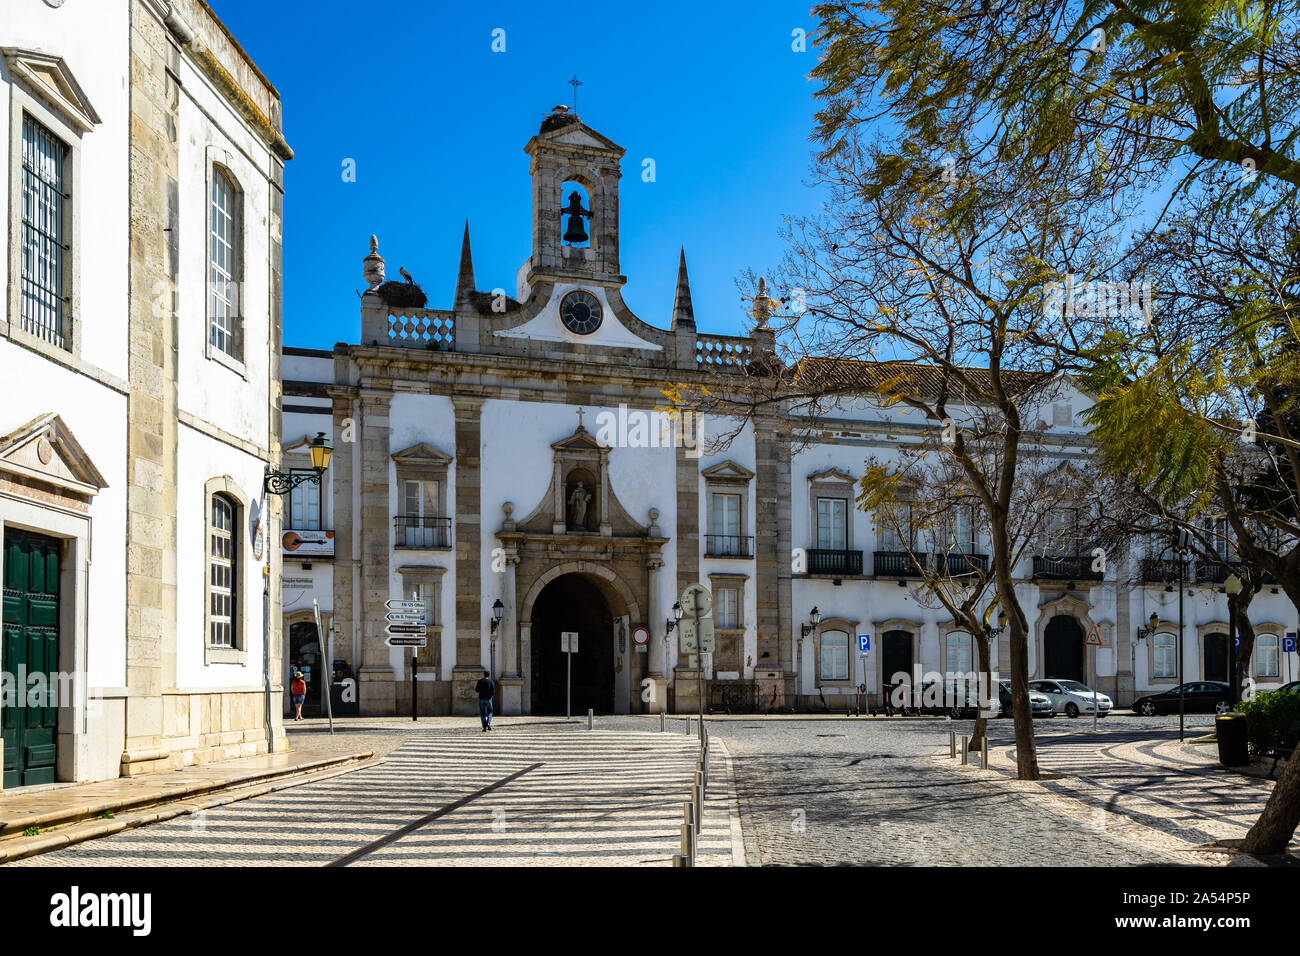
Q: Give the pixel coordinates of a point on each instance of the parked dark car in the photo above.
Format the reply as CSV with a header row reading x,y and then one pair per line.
x,y
1291,688
1199,697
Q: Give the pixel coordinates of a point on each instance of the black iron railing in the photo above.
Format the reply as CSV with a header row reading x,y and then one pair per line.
x,y
1207,573
954,565
1073,568
1160,570
729,545
898,564
740,697
421,531
834,561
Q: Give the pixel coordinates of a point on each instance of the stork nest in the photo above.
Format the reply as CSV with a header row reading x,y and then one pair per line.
x,y
402,295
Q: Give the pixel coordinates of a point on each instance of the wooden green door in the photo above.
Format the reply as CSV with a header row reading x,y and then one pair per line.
x,y
29,646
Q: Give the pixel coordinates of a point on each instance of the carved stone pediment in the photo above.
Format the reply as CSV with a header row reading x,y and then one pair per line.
x,y
832,474
580,499
727,472
50,78
422,454
45,450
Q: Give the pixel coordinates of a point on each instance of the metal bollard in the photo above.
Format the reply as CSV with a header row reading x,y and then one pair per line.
x,y
965,749
663,722
688,725
985,755
679,860
591,718
952,743
686,840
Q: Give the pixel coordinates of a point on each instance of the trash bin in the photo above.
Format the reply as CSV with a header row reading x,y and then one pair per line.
x,y
1230,730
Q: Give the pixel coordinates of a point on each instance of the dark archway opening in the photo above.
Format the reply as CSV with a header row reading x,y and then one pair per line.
x,y
895,657
305,655
1063,649
572,603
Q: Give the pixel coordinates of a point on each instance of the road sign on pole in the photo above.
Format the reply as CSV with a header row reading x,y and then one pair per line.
x,y
402,640
568,644
864,643
419,629
405,606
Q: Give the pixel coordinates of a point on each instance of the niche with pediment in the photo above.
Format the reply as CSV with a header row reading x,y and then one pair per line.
x,y
579,499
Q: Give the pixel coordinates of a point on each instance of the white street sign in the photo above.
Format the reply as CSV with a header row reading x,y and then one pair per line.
x,y
404,605
688,600
691,641
417,629
405,617
405,640
569,642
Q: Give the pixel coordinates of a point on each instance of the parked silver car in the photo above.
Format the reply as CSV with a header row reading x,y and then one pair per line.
x,y
1040,705
1072,698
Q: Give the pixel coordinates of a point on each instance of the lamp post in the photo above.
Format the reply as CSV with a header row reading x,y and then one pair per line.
x,y
814,618
1182,584
1232,585
498,612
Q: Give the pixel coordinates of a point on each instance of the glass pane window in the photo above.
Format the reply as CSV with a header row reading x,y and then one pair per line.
x,y
1062,531
832,523
1267,658
961,530
223,297
726,514
960,653
304,505
222,586
896,533
44,237
421,499
1166,664
426,591
835,655
726,607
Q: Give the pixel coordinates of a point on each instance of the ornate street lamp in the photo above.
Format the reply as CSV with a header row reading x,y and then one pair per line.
x,y
814,618
1145,632
283,482
678,614
995,632
498,612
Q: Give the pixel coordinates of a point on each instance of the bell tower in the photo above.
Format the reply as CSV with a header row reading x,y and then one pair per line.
x,y
574,238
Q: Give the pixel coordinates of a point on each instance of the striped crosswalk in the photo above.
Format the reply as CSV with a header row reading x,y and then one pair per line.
x,y
579,798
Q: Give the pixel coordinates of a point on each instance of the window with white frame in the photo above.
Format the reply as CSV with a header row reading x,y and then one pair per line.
x,y
960,528
834,655
224,265
426,591
832,523
959,653
1061,534
222,572
422,524
1267,657
45,243
304,504
1164,650
726,524
726,607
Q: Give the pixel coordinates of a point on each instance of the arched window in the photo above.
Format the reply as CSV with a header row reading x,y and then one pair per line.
x,y
1267,659
223,567
224,265
1164,652
835,655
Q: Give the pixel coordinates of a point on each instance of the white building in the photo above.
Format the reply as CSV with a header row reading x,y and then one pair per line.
x,y
139,389
504,450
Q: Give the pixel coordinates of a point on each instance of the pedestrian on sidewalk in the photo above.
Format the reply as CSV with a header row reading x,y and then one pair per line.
x,y
486,691
298,690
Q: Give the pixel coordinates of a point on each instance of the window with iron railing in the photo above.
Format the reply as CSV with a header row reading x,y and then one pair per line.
x,y
44,228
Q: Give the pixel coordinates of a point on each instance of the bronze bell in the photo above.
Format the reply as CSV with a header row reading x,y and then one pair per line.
x,y
575,232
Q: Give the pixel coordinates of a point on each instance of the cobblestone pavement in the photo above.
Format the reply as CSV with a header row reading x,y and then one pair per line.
x,y
601,797
866,792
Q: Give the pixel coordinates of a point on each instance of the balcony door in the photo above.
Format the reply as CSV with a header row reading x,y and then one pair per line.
x,y
832,524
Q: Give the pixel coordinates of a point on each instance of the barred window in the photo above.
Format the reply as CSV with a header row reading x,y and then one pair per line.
x,y
223,276
44,247
222,567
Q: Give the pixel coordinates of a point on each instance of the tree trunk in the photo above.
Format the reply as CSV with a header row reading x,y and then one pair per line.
x,y
986,669
1272,831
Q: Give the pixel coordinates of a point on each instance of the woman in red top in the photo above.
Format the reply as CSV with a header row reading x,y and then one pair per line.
x,y
298,690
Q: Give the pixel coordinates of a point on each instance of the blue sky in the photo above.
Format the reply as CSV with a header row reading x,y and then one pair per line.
x,y
436,123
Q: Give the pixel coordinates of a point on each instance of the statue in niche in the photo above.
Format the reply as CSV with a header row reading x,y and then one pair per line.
x,y
578,499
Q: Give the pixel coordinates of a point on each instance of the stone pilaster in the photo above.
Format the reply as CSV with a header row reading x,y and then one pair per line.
x,y
276,740
658,703
688,570
151,371
511,681
469,544
342,465
772,540
377,693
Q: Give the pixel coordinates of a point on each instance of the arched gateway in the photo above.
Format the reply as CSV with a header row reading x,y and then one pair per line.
x,y
572,603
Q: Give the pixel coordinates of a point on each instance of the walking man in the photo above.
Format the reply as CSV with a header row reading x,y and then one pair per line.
x,y
486,691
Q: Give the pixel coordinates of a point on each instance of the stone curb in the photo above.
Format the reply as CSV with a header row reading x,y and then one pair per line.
x,y
80,825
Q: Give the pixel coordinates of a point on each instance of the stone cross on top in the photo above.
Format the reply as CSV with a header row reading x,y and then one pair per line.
x,y
580,428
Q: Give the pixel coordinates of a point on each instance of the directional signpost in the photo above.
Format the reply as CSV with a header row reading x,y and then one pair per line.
x,y
698,603
568,644
407,628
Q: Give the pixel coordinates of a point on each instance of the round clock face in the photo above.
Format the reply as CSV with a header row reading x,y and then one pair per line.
x,y
580,312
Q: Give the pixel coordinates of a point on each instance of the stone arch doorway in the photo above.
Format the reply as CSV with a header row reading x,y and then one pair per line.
x,y
1063,649
572,602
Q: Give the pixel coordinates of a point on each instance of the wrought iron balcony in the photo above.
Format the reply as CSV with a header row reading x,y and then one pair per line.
x,y
1074,568
422,531
729,545
955,565
834,561
1207,573
1161,570
898,564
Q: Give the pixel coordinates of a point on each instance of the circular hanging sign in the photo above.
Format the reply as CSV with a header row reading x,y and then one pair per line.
x,y
640,636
